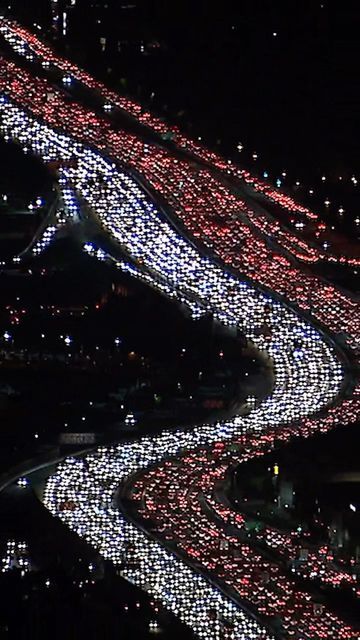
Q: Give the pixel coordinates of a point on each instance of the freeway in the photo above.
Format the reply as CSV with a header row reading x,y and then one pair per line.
x,y
220,587
307,245
204,205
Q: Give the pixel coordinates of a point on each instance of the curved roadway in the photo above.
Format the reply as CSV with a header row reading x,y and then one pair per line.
x,y
307,397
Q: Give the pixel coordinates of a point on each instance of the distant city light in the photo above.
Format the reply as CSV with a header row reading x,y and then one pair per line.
x,y
64,27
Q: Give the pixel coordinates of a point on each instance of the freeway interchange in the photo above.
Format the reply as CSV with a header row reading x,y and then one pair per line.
x,y
213,263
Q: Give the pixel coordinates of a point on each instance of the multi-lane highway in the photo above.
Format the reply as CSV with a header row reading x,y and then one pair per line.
x,y
214,580
306,249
